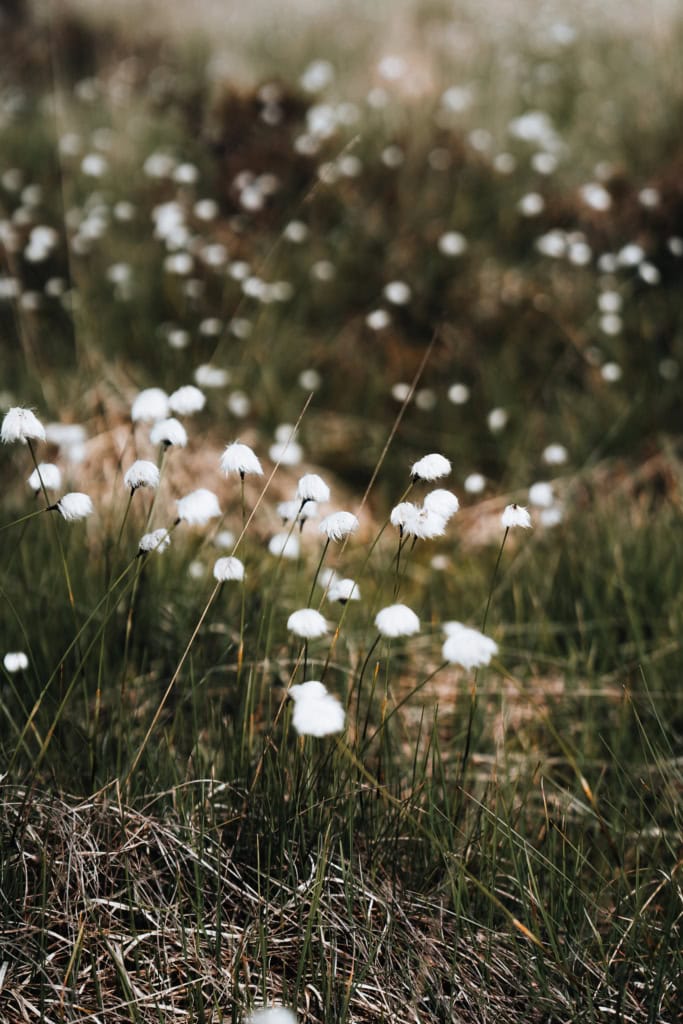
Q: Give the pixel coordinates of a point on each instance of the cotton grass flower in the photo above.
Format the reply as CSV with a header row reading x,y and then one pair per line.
x,y
443,503
150,405
141,474
15,661
339,525
430,467
187,400
294,512
284,545
467,647
516,515
74,506
403,513
541,494
21,425
157,540
312,487
307,623
227,569
272,1015
239,458
169,432
397,620
316,713
198,507
47,475
343,590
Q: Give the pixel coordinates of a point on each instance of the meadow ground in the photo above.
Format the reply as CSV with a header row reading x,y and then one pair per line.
x,y
348,237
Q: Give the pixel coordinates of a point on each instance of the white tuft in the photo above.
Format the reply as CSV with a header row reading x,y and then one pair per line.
x,y
141,474
150,405
430,467
466,646
21,425
169,432
311,487
339,525
307,623
397,620
187,400
239,458
157,540
47,475
228,569
516,515
15,661
198,507
316,712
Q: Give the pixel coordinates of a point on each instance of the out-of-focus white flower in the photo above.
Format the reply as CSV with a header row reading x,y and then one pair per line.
x,y
224,539
197,507
443,503
541,494
343,590
312,487
397,620
339,525
307,623
239,458
475,483
49,474
425,524
141,474
515,515
316,713
286,453
552,516
150,405
187,400
169,432
208,376
15,661
466,646
458,393
74,506
293,511
157,540
228,569
452,243
272,1015
397,292
497,420
21,425
285,545
555,455
378,319
430,467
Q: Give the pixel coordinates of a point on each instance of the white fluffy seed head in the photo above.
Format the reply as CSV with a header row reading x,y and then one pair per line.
x,y
403,513
21,425
467,647
312,487
343,591
284,545
316,712
197,507
397,620
141,474
339,525
187,400
516,515
272,1015
169,432
150,405
15,661
227,569
430,467
239,458
443,503
541,494
50,475
74,506
307,623
157,540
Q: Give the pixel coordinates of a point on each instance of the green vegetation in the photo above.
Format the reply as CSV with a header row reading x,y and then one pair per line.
x,y
472,245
